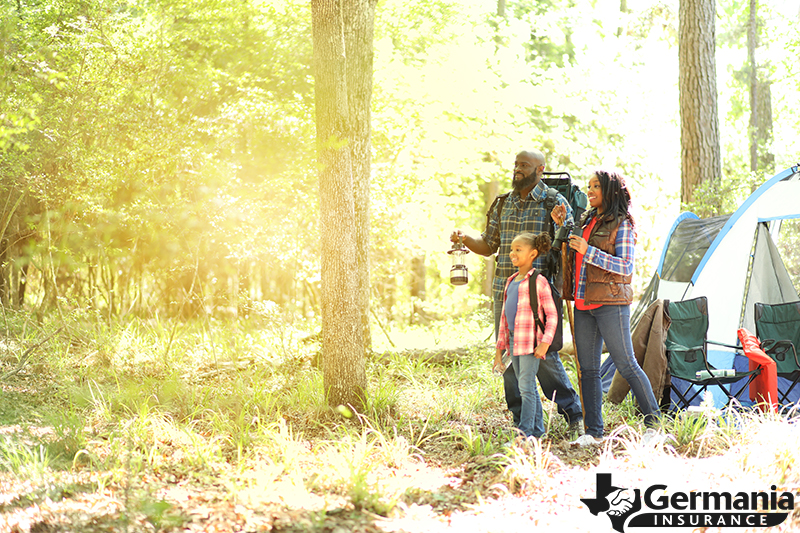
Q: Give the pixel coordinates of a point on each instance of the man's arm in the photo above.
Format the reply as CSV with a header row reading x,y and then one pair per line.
x,y
487,242
474,244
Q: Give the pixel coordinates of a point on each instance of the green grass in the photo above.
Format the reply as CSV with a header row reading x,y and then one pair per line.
x,y
125,408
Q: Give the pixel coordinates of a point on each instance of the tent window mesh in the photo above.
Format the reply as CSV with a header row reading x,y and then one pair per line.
x,y
688,245
789,247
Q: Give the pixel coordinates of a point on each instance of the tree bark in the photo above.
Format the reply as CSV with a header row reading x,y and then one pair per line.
x,y
492,190
359,29
343,365
760,126
764,127
700,140
752,28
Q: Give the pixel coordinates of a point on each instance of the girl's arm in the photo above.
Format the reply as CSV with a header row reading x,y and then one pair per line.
x,y
622,262
502,334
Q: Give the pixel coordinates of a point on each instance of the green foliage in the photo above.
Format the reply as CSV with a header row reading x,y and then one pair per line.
x,y
23,460
160,154
212,425
723,197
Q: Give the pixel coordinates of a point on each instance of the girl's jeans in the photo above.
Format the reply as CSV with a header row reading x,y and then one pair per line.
x,y
531,420
611,323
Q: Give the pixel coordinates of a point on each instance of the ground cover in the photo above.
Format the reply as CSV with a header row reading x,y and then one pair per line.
x,y
221,426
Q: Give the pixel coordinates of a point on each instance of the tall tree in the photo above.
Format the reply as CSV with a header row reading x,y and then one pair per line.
x,y
359,30
701,162
344,375
760,130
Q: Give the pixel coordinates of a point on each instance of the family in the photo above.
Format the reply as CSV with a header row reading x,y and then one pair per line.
x,y
598,280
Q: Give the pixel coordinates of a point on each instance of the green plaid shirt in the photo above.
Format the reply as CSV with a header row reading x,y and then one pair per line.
x,y
518,216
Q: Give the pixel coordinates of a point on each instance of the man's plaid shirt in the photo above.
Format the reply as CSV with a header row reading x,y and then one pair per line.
x,y
518,216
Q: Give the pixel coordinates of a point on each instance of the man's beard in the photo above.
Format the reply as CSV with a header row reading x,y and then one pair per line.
x,y
524,183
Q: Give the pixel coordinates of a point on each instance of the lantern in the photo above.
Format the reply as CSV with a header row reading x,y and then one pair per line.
x,y
458,272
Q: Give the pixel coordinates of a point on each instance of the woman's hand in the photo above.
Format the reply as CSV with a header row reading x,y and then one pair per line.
x,y
578,244
559,214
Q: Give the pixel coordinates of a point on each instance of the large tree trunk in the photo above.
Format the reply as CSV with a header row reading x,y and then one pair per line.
x,y
343,365
752,28
700,140
760,130
359,26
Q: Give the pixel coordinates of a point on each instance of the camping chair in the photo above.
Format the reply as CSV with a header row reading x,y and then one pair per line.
x,y
778,329
687,352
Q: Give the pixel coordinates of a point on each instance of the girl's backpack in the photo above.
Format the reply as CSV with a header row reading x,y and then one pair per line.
x,y
558,338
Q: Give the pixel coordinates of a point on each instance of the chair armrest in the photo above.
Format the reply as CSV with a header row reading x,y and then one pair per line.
x,y
738,348
775,348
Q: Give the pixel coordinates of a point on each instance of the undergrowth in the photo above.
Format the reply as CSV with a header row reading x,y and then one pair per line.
x,y
240,404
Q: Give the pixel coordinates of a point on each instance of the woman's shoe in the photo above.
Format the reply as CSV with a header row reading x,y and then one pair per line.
x,y
584,441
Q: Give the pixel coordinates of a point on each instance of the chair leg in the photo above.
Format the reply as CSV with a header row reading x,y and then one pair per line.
x,y
784,397
683,395
731,396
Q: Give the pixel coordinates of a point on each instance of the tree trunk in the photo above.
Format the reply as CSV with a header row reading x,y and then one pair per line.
x,y
417,288
760,127
359,26
700,140
492,191
5,269
764,127
22,283
343,365
752,28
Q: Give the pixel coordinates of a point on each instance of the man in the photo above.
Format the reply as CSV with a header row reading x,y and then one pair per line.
x,y
524,211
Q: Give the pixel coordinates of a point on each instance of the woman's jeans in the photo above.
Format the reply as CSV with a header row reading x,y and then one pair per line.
x,y
611,323
531,420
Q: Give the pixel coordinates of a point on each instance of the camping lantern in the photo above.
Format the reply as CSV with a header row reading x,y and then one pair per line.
x,y
458,272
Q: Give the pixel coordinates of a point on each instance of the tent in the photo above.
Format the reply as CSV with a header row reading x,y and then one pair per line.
x,y
733,260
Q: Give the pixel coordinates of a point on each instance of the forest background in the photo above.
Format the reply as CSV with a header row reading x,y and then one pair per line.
x,y
158,157
160,240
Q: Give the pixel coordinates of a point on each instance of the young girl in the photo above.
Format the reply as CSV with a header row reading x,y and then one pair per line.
x,y
518,334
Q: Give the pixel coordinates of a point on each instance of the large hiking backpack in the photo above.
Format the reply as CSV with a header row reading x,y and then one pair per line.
x,y
540,322
557,182
562,182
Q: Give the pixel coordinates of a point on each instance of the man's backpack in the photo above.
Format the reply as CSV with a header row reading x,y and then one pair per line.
x,y
540,323
557,182
562,182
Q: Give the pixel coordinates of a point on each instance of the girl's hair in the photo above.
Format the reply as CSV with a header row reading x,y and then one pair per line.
x,y
540,243
616,195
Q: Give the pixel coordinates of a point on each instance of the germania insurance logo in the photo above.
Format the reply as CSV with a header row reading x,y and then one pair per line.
x,y
656,507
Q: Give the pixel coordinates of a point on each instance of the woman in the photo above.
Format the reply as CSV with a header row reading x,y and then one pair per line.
x,y
600,285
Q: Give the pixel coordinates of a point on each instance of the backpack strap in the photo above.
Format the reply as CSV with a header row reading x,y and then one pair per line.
x,y
549,203
550,199
534,301
499,201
